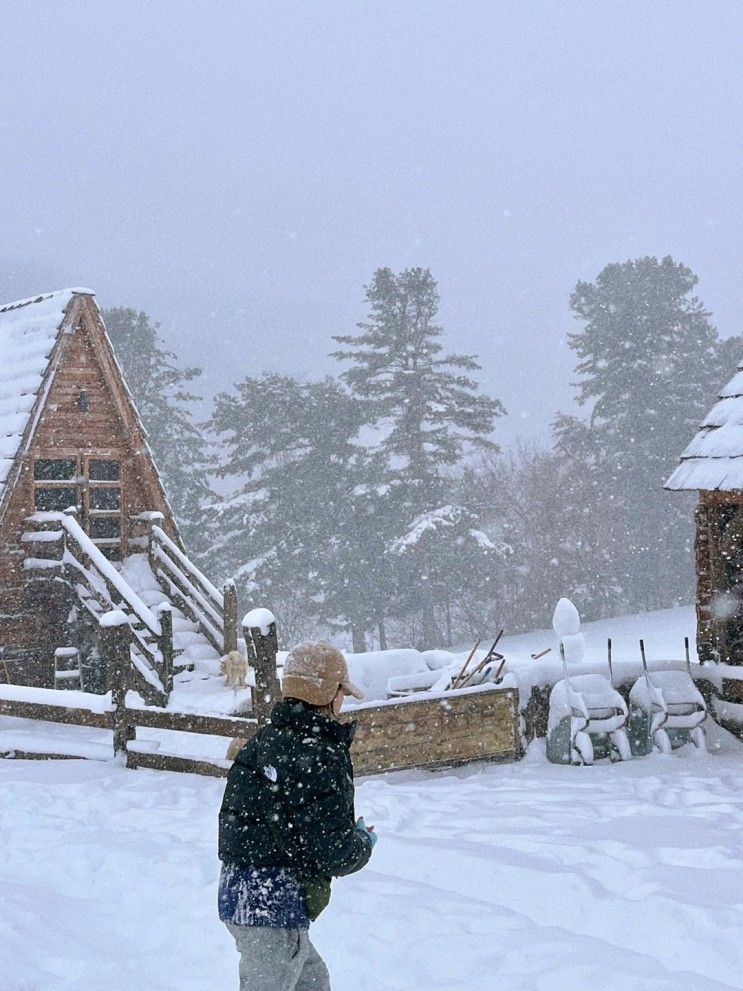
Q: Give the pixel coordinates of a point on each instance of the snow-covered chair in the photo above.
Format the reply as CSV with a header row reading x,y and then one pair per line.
x,y
667,710
584,708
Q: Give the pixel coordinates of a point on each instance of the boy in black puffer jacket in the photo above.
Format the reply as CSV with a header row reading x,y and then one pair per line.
x,y
287,826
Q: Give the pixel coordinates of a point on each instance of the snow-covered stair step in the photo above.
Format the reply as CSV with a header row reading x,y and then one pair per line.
x,y
181,624
192,649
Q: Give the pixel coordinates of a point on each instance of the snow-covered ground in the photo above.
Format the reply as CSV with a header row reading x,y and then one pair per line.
x,y
527,876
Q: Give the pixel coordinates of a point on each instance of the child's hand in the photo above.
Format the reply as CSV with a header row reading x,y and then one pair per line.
x,y
369,830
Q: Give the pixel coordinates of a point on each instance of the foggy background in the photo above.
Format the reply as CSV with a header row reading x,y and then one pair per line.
x,y
240,170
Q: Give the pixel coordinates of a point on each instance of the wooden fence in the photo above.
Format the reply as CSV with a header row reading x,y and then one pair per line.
x,y
47,705
481,723
428,733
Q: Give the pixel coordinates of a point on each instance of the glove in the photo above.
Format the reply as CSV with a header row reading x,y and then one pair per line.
x,y
361,825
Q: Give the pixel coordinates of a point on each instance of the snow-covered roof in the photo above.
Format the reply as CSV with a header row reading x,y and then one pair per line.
x,y
714,458
28,332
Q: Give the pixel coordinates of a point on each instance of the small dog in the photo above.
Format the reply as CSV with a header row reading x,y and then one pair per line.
x,y
234,667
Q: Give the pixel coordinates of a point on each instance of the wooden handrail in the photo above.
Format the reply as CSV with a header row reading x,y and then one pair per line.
x,y
85,551
215,612
96,578
196,577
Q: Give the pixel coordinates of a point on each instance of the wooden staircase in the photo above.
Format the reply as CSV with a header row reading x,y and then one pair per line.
x,y
61,551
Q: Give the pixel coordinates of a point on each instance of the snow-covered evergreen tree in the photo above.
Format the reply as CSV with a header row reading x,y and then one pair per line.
x,y
445,558
285,526
163,397
422,413
649,365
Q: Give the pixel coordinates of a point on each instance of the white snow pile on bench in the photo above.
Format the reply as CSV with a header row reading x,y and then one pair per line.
x,y
372,670
675,687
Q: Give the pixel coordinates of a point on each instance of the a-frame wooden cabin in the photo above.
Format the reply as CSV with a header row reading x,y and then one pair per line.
x,y
79,494
712,464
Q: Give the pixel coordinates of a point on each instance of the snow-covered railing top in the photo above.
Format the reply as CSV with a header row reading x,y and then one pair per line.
x,y
129,597
28,332
714,458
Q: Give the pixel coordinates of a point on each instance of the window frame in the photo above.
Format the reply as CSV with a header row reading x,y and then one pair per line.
x,y
83,485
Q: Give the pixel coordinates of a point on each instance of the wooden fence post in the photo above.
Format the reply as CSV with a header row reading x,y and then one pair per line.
x,y
165,615
259,630
115,644
229,594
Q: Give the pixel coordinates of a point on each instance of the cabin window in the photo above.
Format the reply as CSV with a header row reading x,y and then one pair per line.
x,y
55,469
54,500
93,487
103,471
104,506
55,494
105,500
105,528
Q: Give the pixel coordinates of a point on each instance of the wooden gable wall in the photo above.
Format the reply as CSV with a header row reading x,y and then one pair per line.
x,y
32,612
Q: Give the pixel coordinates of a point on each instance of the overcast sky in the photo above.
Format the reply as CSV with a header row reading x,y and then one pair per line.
x,y
240,169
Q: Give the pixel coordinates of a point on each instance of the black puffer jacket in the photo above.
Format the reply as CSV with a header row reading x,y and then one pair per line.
x,y
289,799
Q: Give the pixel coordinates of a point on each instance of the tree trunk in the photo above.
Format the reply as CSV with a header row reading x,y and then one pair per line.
x,y
431,636
358,639
382,636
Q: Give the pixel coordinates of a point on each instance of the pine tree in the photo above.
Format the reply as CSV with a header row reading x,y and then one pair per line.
x,y
649,361
292,467
162,395
423,411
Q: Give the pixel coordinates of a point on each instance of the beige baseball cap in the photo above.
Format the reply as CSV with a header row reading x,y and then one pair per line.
x,y
314,671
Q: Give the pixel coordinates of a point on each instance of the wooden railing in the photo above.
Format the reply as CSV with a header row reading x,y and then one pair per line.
x,y
101,589
213,611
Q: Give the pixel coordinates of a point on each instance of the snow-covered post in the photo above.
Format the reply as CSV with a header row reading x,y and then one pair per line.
x,y
229,595
115,637
259,630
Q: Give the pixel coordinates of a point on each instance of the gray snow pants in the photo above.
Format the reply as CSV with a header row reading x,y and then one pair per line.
x,y
278,960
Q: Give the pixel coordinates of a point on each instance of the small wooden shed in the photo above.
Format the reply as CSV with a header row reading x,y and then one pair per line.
x,y
712,464
70,440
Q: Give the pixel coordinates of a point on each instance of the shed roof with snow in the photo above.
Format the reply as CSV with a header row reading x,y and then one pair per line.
x,y
28,332
37,352
713,461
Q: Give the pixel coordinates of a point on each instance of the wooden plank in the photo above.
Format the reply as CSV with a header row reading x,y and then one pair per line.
x,y
191,722
171,762
32,755
56,714
437,732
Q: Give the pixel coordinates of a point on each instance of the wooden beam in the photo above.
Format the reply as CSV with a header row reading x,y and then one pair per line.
x,y
56,714
191,722
171,762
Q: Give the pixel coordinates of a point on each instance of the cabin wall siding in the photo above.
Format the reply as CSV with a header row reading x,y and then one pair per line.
x,y
33,610
717,544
